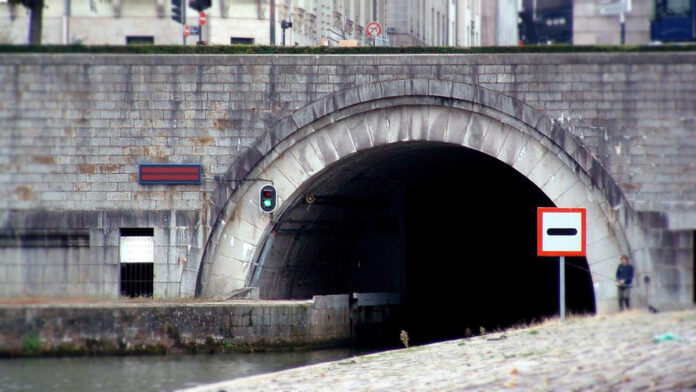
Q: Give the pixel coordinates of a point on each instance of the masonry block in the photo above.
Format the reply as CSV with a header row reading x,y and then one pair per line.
x,y
370,92
621,124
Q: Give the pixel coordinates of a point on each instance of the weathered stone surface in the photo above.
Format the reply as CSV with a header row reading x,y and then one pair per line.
x,y
631,351
161,328
70,145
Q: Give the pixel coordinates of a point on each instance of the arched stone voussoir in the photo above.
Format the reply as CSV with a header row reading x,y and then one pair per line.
x,y
360,132
519,149
396,88
408,110
440,88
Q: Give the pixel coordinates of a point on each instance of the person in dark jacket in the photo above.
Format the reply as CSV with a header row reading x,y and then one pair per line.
x,y
624,278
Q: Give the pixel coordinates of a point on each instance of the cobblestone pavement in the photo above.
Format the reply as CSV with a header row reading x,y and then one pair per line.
x,y
602,353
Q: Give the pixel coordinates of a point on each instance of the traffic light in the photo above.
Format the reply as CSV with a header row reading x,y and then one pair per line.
x,y
267,199
177,12
200,5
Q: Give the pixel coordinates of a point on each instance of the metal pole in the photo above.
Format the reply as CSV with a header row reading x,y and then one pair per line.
x,y
183,6
66,26
456,23
623,28
561,266
272,18
374,18
200,32
447,26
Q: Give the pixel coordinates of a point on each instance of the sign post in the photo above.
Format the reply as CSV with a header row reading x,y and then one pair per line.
x,y
561,232
373,30
561,289
617,7
202,18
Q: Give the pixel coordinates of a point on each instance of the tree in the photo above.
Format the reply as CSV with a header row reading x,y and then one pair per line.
x,y
35,22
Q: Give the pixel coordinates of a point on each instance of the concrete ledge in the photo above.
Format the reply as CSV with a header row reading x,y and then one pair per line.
x,y
213,60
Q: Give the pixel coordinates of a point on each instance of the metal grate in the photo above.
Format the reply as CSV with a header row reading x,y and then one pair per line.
x,y
136,279
137,274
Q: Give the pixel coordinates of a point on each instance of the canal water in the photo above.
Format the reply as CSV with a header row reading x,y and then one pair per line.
x,y
149,373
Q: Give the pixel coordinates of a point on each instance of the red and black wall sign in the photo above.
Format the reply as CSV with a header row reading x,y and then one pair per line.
x,y
170,173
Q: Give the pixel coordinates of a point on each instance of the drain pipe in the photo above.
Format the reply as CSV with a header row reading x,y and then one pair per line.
x,y
66,23
262,259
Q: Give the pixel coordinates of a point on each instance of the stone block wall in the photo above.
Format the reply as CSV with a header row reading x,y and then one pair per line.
x,y
76,254
161,328
73,129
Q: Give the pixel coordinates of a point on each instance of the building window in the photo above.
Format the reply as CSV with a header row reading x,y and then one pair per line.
x,y
241,41
137,257
140,40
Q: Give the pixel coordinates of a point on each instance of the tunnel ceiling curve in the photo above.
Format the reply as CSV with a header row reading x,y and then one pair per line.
x,y
318,146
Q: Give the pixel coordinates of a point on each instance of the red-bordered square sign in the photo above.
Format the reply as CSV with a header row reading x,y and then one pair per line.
x,y
561,231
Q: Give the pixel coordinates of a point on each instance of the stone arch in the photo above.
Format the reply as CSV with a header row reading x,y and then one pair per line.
x,y
350,121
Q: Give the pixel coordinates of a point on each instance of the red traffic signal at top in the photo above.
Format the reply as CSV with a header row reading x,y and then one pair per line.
x,y
200,5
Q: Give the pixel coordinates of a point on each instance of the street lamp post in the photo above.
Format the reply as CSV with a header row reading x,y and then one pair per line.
x,y
285,24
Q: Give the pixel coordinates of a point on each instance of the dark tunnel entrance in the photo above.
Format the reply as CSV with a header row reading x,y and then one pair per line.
x,y
450,229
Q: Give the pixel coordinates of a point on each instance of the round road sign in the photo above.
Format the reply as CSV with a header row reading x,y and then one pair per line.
x,y
202,19
187,30
373,29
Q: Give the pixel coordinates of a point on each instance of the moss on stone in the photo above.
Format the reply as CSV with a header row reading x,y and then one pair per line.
x,y
31,344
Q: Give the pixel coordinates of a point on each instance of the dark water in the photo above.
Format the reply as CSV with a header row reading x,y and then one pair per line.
x,y
148,373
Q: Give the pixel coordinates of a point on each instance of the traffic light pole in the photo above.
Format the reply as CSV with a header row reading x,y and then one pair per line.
x,y
622,19
561,276
374,17
284,24
183,16
272,20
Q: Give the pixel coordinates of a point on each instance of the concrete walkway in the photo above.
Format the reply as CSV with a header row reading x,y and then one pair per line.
x,y
603,353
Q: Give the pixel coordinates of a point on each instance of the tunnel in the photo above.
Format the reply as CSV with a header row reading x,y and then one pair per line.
x,y
451,229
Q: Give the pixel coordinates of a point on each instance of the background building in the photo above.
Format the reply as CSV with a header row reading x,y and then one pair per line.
x,y
329,22
314,22
598,22
595,24
499,23
95,22
546,21
435,23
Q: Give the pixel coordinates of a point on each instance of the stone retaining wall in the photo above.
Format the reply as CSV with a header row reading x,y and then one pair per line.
x,y
73,129
167,328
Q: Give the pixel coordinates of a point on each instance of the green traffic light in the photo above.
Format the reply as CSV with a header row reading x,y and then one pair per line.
x,y
267,203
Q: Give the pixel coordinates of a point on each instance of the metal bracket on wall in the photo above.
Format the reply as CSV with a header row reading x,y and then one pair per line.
x,y
223,179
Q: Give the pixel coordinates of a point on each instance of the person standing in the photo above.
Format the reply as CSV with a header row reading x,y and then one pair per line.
x,y
624,278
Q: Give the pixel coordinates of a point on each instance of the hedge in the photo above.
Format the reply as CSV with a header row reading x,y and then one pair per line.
x,y
259,49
